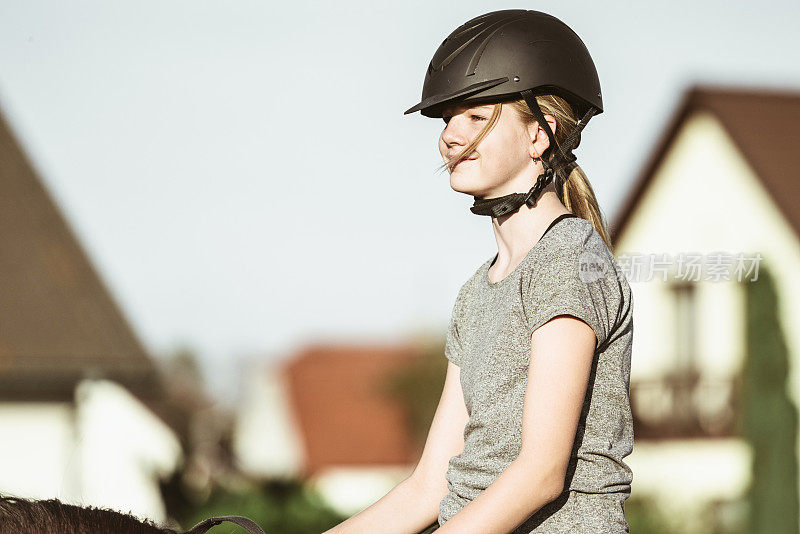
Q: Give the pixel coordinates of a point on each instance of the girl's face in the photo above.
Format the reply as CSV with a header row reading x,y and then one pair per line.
x,y
498,162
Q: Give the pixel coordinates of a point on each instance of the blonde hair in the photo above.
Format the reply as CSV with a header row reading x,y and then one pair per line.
x,y
573,190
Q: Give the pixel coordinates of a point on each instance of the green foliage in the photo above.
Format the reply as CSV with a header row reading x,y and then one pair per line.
x,y
418,388
769,417
432,528
725,517
644,517
285,506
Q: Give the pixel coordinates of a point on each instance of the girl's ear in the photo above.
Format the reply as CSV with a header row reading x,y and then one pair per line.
x,y
539,139
535,129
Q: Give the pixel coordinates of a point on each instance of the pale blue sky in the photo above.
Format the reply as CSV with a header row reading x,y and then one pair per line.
x,y
243,176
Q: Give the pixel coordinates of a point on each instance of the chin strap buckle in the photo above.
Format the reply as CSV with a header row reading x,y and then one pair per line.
x,y
536,190
530,198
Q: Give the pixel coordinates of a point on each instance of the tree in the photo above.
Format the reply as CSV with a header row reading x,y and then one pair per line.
x,y
769,417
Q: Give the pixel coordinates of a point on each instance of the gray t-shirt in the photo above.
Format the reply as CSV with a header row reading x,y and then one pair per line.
x,y
570,271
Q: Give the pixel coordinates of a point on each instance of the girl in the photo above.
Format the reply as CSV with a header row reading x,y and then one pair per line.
x,y
534,420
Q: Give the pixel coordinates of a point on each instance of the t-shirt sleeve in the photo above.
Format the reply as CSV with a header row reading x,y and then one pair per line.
x,y
574,282
453,346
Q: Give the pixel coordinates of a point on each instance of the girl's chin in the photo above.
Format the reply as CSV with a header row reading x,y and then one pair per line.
x,y
469,185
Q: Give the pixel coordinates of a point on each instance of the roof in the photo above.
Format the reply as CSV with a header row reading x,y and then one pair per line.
x,y
763,124
344,416
58,321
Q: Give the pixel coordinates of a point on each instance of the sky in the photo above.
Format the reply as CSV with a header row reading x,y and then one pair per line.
x,y
242,175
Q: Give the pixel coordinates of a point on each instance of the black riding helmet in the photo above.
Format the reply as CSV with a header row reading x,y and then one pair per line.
x,y
506,54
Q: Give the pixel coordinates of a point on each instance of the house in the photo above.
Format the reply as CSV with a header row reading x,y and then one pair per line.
x,y
718,198
322,415
77,389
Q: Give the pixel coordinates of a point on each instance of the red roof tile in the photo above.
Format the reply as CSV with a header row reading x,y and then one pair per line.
x,y
344,416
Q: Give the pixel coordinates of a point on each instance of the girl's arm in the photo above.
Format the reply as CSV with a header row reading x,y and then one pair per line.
x,y
561,359
413,504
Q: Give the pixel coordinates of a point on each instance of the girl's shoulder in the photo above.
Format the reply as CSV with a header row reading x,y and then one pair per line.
x,y
578,245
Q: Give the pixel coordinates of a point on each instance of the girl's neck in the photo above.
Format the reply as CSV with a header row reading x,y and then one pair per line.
x,y
516,233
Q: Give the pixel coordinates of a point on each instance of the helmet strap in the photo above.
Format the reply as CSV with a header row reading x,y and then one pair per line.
x,y
496,207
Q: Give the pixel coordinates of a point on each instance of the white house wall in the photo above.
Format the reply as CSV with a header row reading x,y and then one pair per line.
x,y
37,450
266,438
106,449
267,442
348,489
705,198
671,471
125,449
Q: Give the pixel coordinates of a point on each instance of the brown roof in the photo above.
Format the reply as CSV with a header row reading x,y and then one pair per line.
x,y
58,321
344,417
765,126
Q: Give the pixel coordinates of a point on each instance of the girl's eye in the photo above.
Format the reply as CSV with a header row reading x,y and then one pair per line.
x,y
446,118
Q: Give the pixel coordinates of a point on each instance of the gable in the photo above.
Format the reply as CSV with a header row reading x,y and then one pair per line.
x,y
761,123
58,321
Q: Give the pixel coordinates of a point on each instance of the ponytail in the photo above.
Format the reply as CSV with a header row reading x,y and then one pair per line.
x,y
577,195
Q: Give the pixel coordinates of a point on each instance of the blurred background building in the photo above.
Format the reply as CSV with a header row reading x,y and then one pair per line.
x,y
722,178
77,390
328,414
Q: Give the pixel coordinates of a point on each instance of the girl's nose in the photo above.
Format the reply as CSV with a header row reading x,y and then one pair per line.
x,y
453,134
